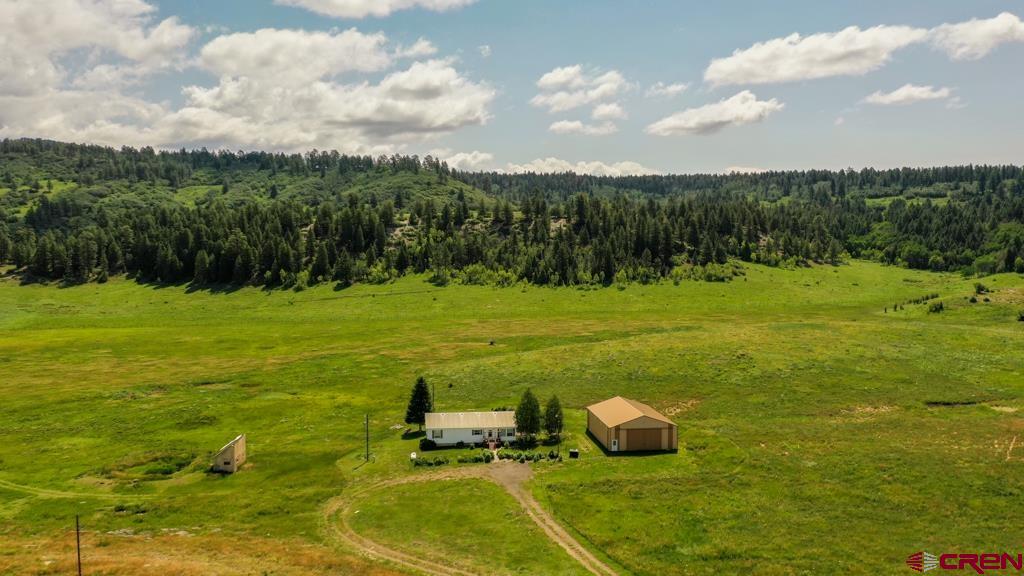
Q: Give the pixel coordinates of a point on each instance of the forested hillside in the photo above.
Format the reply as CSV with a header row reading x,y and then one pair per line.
x,y
78,213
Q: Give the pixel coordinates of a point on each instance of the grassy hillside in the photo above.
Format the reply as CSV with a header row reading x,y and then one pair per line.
x,y
802,405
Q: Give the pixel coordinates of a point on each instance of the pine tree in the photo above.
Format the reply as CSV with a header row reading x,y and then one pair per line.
x,y
528,418
420,403
202,268
554,420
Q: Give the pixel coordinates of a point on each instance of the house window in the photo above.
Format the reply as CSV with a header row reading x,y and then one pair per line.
x,y
227,463
510,432
478,432
437,434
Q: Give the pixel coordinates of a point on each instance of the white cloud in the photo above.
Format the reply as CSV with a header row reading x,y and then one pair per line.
x,y
376,8
955,103
570,87
577,127
975,38
608,111
849,52
485,50
839,121
662,90
295,56
419,49
469,161
427,99
564,77
908,94
36,39
597,168
743,108
275,89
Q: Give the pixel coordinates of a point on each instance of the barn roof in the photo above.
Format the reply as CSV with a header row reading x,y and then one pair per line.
x,y
470,420
616,411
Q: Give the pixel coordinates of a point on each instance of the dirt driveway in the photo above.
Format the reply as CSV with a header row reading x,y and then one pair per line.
x,y
511,476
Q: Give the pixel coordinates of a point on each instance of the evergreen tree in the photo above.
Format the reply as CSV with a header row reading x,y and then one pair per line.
x,y
554,420
420,403
202,268
528,417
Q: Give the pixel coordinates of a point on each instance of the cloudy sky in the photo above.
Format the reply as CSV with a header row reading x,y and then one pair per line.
x,y
599,86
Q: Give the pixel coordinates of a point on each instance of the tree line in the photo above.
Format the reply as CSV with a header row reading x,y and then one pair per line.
x,y
560,229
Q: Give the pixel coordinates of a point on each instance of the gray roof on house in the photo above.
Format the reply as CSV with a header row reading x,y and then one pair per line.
x,y
470,420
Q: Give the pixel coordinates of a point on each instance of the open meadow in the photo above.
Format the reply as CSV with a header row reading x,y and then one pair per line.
x,y
820,429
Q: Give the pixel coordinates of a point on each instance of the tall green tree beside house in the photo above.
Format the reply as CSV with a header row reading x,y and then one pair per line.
x,y
554,420
528,419
420,403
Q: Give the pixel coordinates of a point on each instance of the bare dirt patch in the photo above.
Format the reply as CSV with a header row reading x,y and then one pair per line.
x,y
176,553
681,407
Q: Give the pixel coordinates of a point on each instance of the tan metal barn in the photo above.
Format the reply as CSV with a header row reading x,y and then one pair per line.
x,y
624,425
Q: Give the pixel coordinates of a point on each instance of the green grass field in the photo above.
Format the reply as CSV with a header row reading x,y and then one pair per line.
x,y
471,523
818,431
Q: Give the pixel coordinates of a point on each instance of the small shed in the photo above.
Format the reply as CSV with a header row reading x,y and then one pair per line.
x,y
624,425
231,457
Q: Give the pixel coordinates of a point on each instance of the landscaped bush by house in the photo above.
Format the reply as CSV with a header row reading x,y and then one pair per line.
x,y
439,461
426,444
484,456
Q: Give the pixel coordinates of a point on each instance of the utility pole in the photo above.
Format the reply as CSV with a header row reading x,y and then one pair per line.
x,y
78,545
367,439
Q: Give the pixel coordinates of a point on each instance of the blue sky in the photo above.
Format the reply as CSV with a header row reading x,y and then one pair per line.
x,y
192,73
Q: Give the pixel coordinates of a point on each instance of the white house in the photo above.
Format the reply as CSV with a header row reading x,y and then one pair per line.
x,y
450,428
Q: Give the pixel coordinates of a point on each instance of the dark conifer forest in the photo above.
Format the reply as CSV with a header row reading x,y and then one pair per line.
x,y
76,213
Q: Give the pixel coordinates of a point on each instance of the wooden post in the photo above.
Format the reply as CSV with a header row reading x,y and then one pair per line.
x,y
78,545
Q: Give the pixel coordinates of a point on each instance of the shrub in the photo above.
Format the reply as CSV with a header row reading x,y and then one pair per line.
x,y
936,307
1020,316
426,444
973,300
980,288
537,457
460,444
488,457
552,455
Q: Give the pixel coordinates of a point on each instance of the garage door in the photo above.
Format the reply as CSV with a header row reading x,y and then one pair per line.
x,y
643,439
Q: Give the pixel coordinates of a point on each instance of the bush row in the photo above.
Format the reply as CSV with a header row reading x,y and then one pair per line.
x,y
528,456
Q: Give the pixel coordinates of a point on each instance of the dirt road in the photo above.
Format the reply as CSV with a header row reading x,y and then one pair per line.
x,y
511,476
